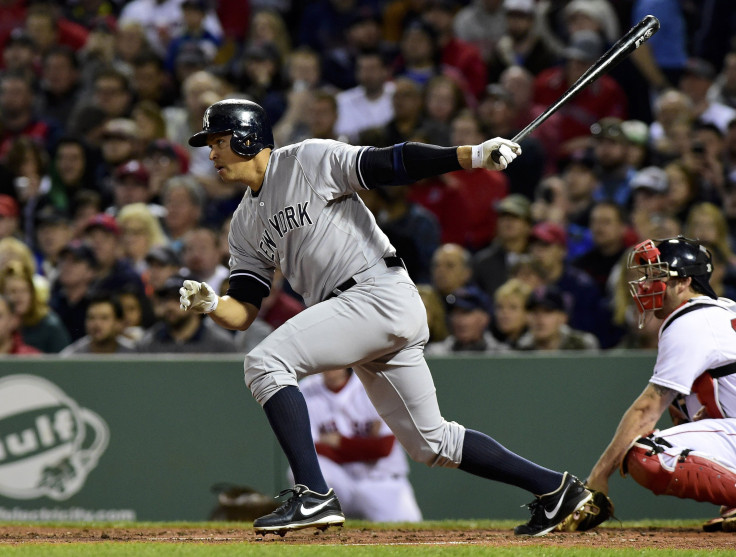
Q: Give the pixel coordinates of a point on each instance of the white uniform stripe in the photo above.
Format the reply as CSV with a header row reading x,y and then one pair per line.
x,y
357,169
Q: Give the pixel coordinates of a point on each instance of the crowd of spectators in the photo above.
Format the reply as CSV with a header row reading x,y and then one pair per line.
x,y
105,209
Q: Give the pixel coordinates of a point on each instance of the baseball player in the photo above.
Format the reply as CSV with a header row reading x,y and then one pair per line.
x,y
357,452
694,376
301,212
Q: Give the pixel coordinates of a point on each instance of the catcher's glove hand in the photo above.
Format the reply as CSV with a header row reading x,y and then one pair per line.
x,y
593,513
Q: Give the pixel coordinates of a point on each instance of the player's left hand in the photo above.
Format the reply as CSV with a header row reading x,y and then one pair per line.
x,y
197,296
507,152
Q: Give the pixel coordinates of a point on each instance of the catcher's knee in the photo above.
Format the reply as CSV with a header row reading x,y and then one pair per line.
x,y
693,475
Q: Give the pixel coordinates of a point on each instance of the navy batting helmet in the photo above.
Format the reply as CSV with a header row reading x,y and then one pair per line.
x,y
246,120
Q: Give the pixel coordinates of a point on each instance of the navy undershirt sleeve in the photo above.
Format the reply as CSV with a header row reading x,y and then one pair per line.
x,y
405,163
248,288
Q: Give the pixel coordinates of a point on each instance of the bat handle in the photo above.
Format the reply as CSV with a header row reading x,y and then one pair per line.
x,y
496,154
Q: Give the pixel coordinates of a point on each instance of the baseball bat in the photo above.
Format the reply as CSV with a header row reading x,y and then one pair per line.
x,y
627,44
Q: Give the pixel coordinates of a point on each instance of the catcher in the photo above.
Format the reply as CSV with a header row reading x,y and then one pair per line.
x,y
694,376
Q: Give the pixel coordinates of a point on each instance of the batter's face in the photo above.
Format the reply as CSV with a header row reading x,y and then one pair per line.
x,y
232,167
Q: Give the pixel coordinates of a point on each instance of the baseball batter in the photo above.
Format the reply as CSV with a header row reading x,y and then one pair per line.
x,y
301,213
695,376
357,451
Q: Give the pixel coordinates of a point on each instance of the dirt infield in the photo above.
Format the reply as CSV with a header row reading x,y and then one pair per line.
x,y
609,537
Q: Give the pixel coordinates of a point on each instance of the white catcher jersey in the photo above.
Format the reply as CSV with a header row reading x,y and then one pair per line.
x,y
695,342
308,220
351,413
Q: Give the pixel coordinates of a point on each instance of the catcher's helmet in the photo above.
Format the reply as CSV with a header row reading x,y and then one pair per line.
x,y
674,257
246,120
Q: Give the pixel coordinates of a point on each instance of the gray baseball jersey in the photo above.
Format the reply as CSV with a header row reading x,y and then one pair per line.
x,y
308,220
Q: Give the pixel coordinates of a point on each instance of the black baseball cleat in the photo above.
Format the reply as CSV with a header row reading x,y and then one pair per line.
x,y
304,509
552,508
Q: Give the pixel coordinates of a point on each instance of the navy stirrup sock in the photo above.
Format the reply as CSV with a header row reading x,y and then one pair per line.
x,y
287,413
487,458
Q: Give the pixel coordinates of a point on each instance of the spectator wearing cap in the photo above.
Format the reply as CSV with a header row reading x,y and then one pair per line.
x,y
17,115
363,34
698,77
369,103
258,75
611,236
11,343
603,98
164,159
498,113
114,273
548,246
481,23
72,288
193,31
464,57
40,326
637,132
9,217
179,331
548,327
104,326
469,313
580,183
706,159
611,152
53,232
418,57
130,185
111,92
119,144
163,263
648,195
190,59
522,44
491,265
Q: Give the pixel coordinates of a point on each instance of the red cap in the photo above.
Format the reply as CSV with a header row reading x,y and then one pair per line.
x,y
8,206
549,233
132,168
104,221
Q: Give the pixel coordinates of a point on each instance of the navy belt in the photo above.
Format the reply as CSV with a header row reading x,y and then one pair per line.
x,y
390,262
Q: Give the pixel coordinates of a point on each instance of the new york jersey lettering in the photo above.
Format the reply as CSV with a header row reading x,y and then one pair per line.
x,y
290,218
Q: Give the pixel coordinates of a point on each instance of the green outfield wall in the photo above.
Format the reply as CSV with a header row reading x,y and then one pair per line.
x,y
115,439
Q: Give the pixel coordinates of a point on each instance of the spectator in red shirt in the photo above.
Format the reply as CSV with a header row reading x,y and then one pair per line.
x,y
17,118
456,52
10,339
604,97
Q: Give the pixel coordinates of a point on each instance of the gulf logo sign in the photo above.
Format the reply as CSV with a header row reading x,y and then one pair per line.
x,y
48,444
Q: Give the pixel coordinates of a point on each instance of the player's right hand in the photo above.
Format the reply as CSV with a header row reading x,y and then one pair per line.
x,y
507,152
197,296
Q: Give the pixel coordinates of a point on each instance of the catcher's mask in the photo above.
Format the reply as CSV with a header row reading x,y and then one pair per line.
x,y
677,257
245,120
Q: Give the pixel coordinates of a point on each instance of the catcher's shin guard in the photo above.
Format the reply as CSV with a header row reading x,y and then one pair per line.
x,y
694,476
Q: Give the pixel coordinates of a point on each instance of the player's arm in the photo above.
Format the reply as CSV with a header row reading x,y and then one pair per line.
x,y
227,311
639,420
409,162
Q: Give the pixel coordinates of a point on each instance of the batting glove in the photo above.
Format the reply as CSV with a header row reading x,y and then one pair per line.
x,y
197,296
507,151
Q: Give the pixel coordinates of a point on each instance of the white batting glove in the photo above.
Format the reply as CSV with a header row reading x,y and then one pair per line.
x,y
507,151
197,296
